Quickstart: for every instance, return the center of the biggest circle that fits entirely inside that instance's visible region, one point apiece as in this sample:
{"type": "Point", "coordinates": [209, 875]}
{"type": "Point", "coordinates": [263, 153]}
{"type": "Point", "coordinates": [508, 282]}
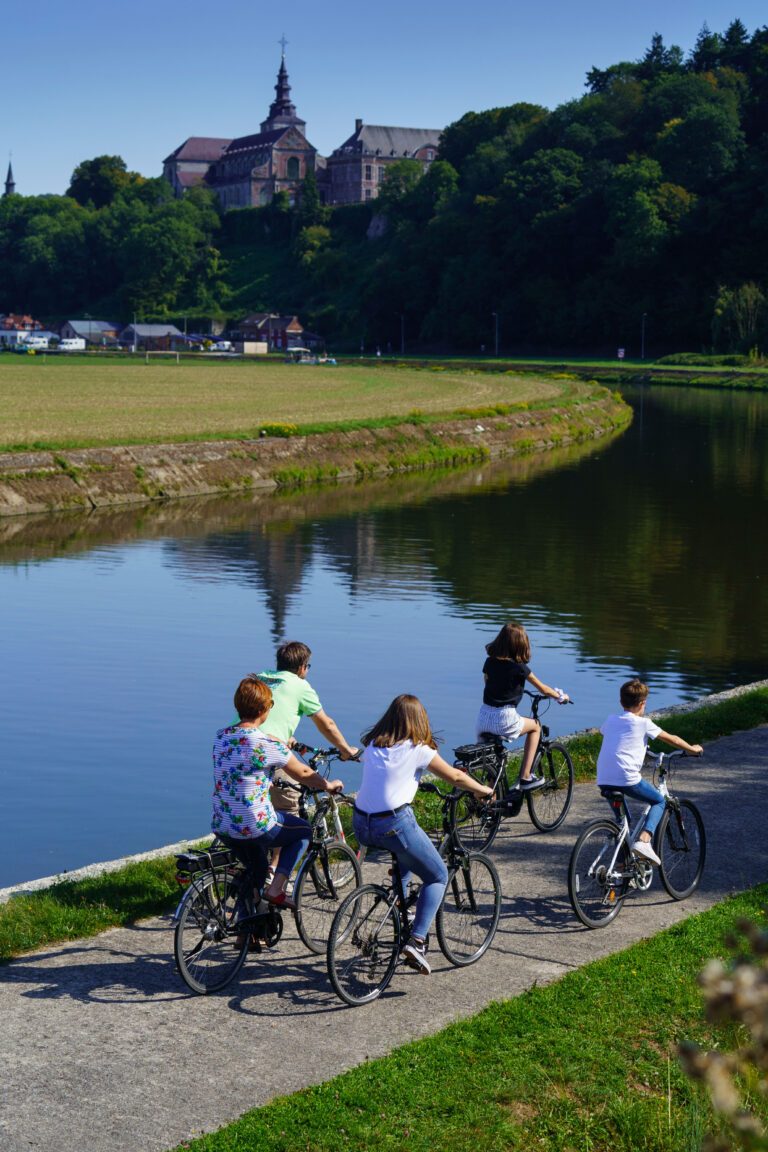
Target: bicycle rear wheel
{"type": "Point", "coordinates": [364, 945]}
{"type": "Point", "coordinates": [473, 820]}
{"type": "Point", "coordinates": [597, 886]}
{"type": "Point", "coordinates": [682, 845]}
{"type": "Point", "coordinates": [548, 806]}
{"type": "Point", "coordinates": [205, 942]}
{"type": "Point", "coordinates": [468, 917]}
{"type": "Point", "coordinates": [325, 878]}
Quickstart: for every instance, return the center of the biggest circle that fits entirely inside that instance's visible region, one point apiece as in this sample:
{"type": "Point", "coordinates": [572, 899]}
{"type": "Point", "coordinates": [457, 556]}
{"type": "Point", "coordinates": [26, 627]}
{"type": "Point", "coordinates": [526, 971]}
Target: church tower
{"type": "Point", "coordinates": [10, 185]}
{"type": "Point", "coordinates": [282, 113]}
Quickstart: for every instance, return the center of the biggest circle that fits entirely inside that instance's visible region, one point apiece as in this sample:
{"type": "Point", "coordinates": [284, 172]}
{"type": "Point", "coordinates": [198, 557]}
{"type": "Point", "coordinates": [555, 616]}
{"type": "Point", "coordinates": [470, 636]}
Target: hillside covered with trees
{"type": "Point", "coordinates": [645, 197]}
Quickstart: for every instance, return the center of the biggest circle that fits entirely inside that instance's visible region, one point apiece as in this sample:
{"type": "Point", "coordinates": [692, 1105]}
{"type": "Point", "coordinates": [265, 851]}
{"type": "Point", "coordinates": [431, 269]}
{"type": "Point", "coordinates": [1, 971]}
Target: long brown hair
{"type": "Point", "coordinates": [512, 643]}
{"type": "Point", "coordinates": [405, 719]}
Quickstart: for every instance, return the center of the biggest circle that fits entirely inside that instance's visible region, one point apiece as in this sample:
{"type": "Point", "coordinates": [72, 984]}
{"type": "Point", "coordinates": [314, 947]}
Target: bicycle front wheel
{"type": "Point", "coordinates": [325, 878]}
{"type": "Point", "coordinates": [682, 845]}
{"type": "Point", "coordinates": [548, 806]}
{"type": "Point", "coordinates": [597, 874]}
{"type": "Point", "coordinates": [468, 917]}
{"type": "Point", "coordinates": [364, 945]}
{"type": "Point", "coordinates": [205, 943]}
{"type": "Point", "coordinates": [474, 821]}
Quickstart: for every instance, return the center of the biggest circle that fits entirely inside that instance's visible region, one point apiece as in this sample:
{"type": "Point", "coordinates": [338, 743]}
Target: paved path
{"type": "Point", "coordinates": [104, 1050]}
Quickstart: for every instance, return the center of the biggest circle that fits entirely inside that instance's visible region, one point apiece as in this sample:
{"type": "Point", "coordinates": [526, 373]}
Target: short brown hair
{"type": "Point", "coordinates": [632, 693]}
{"type": "Point", "coordinates": [405, 719]}
{"type": "Point", "coordinates": [292, 656]}
{"type": "Point", "coordinates": [512, 643]}
{"type": "Point", "coordinates": [253, 698]}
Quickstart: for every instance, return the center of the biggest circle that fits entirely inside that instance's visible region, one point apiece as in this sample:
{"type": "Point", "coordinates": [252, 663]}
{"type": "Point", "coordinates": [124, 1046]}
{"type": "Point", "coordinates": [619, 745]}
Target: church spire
{"type": "Point", "coordinates": [10, 185]}
{"type": "Point", "coordinates": [282, 113]}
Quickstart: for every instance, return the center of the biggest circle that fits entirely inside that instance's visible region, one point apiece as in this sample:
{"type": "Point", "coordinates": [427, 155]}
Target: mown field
{"type": "Point", "coordinates": [51, 403]}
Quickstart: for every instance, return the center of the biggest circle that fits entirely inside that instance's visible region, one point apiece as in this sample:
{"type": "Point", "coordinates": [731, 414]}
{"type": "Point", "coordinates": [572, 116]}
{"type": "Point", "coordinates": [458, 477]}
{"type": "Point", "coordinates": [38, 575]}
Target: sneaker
{"type": "Point", "coordinates": [532, 783]}
{"type": "Point", "coordinates": [640, 848]}
{"type": "Point", "coordinates": [415, 956]}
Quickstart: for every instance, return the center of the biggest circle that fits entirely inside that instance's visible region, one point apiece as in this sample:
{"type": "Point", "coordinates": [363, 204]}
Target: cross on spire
{"type": "Point", "coordinates": [283, 42]}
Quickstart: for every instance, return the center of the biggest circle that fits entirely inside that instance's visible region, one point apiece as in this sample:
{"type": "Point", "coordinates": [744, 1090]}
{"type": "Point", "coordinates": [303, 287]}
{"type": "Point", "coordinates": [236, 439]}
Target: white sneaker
{"type": "Point", "coordinates": [532, 783]}
{"type": "Point", "coordinates": [640, 848]}
{"type": "Point", "coordinates": [414, 955]}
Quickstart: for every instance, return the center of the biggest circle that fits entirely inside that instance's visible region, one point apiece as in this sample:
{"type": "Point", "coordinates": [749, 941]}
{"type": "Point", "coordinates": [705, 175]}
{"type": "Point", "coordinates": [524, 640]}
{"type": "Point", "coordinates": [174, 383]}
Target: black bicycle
{"type": "Point", "coordinates": [477, 821]}
{"type": "Point", "coordinates": [373, 924]}
{"type": "Point", "coordinates": [603, 870]}
{"type": "Point", "coordinates": [222, 915]}
{"type": "Point", "coordinates": [218, 918]}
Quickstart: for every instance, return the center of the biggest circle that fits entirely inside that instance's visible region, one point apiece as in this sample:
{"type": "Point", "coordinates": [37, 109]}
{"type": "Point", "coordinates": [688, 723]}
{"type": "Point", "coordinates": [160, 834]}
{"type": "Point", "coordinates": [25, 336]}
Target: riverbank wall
{"type": "Point", "coordinates": [90, 478]}
{"type": "Point", "coordinates": [93, 870]}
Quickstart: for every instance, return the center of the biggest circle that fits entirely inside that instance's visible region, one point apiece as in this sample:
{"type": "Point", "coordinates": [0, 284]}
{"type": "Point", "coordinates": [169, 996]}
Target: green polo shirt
{"type": "Point", "coordinates": [293, 698]}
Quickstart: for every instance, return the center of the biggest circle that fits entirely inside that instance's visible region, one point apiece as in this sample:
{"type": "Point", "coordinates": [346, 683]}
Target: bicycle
{"type": "Point", "coordinates": [217, 917]}
{"type": "Point", "coordinates": [603, 870]}
{"type": "Point", "coordinates": [331, 867]}
{"type": "Point", "coordinates": [372, 925]}
{"type": "Point", "coordinates": [478, 821]}
{"type": "Point", "coordinates": [221, 912]}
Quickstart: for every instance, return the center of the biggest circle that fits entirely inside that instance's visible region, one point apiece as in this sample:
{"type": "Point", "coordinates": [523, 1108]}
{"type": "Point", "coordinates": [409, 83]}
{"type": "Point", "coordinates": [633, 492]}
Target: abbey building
{"type": "Point", "coordinates": [249, 170]}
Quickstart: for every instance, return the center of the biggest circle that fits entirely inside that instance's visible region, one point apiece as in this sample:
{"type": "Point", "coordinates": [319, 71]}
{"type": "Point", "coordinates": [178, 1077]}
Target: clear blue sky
{"type": "Point", "coordinates": [136, 78]}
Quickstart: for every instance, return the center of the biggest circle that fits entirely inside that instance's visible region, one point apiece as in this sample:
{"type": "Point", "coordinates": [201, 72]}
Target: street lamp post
{"type": "Point", "coordinates": [88, 318]}
{"type": "Point", "coordinates": [496, 334]}
{"type": "Point", "coordinates": [642, 336]}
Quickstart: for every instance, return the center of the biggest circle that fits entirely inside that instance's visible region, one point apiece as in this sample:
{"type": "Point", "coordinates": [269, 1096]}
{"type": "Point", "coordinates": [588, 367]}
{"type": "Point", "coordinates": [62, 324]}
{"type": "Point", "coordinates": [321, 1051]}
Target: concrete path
{"type": "Point", "coordinates": [104, 1050]}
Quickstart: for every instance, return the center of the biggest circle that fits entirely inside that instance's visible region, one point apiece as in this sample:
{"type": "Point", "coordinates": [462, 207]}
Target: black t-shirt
{"type": "Point", "coordinates": [505, 683]}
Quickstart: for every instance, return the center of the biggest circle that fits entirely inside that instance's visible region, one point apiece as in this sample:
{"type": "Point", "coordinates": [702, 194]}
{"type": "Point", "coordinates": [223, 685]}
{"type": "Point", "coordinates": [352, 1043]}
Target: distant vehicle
{"type": "Point", "coordinates": [223, 346]}
{"type": "Point", "coordinates": [37, 343]}
{"type": "Point", "coordinates": [73, 344]}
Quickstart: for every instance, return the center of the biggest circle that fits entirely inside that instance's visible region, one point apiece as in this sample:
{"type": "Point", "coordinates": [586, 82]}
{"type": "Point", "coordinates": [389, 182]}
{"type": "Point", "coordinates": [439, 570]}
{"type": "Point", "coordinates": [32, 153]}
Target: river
{"type": "Point", "coordinates": [125, 633]}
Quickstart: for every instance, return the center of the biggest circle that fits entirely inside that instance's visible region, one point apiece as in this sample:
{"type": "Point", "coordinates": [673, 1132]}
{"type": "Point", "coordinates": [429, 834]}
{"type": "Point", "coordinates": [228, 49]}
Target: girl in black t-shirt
{"type": "Point", "coordinates": [505, 673]}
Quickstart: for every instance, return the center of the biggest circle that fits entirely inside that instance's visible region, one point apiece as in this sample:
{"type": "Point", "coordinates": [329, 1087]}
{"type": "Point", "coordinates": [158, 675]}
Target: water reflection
{"type": "Point", "coordinates": [125, 632]}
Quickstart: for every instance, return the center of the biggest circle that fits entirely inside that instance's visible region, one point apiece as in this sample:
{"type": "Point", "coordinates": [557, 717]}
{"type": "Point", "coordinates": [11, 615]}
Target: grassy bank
{"type": "Point", "coordinates": [61, 404]}
{"type": "Point", "coordinates": [71, 910]}
{"type": "Point", "coordinates": [588, 1063]}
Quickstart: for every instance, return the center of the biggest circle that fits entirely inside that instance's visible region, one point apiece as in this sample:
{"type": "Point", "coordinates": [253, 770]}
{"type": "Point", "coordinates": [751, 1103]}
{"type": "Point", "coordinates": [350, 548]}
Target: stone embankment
{"type": "Point", "coordinates": [87, 478]}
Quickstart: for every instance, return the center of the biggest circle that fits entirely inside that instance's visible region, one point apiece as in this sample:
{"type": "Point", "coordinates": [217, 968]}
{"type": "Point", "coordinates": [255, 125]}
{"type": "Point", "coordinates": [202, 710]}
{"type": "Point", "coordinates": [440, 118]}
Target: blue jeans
{"type": "Point", "coordinates": [291, 835]}
{"type": "Point", "coordinates": [401, 835]}
{"type": "Point", "coordinates": [646, 794]}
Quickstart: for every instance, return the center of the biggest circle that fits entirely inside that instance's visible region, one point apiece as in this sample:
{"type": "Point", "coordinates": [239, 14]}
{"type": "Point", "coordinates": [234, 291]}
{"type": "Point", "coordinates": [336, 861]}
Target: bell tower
{"type": "Point", "coordinates": [282, 113]}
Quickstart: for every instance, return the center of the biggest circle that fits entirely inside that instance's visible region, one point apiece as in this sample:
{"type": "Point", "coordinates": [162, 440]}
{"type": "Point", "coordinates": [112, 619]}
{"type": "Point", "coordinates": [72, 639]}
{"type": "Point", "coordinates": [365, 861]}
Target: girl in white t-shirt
{"type": "Point", "coordinates": [399, 748]}
{"type": "Point", "coordinates": [620, 760]}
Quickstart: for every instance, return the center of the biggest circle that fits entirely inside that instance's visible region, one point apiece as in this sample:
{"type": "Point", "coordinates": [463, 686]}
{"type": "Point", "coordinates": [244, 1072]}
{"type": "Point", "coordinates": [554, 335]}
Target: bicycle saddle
{"type": "Point", "coordinates": [490, 738]}
{"type": "Point", "coordinates": [611, 793]}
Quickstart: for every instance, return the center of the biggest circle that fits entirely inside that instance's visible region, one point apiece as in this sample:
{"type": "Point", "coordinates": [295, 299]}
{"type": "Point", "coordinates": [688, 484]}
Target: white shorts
{"type": "Point", "coordinates": [505, 722]}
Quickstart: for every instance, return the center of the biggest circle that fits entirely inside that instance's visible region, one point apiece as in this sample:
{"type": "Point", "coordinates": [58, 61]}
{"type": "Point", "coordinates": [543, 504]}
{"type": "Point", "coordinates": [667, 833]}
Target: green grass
{"type": "Point", "coordinates": [64, 404]}
{"type": "Point", "coordinates": [588, 1063]}
{"type": "Point", "coordinates": [71, 910]}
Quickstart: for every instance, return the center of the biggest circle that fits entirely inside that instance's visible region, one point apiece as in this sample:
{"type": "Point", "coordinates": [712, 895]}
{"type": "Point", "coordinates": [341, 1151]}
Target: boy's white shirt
{"type": "Point", "coordinates": [625, 740]}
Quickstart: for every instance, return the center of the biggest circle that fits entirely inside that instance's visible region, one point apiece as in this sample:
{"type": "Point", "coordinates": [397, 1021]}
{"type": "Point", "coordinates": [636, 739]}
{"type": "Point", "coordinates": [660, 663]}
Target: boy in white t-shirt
{"type": "Point", "coordinates": [620, 762]}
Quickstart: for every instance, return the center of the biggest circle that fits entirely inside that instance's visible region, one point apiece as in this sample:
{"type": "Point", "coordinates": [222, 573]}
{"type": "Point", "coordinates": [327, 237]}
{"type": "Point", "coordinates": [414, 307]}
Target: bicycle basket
{"type": "Point", "coordinates": [472, 756]}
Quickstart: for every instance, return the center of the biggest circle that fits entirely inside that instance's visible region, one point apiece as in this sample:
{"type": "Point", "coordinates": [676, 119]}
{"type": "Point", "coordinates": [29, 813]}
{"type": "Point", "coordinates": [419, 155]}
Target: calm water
{"type": "Point", "coordinates": [125, 634]}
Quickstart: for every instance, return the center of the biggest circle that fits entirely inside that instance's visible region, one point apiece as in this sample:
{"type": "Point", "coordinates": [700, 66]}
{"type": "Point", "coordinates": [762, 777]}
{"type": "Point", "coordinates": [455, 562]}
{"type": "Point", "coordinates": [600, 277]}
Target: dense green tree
{"type": "Point", "coordinates": [100, 180]}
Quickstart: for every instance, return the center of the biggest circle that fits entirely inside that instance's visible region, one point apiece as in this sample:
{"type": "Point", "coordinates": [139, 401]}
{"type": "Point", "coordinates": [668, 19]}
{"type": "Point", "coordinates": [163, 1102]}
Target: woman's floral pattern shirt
{"type": "Point", "coordinates": [243, 762]}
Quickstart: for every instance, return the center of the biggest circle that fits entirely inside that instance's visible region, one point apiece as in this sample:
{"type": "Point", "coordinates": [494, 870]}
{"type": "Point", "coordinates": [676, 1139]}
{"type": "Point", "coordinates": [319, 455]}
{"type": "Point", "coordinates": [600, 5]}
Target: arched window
{"type": "Point", "coordinates": [292, 168]}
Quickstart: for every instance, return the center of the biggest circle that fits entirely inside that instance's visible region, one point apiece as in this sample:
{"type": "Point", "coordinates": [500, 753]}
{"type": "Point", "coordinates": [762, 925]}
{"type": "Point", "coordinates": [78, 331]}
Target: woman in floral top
{"type": "Point", "coordinates": [244, 759]}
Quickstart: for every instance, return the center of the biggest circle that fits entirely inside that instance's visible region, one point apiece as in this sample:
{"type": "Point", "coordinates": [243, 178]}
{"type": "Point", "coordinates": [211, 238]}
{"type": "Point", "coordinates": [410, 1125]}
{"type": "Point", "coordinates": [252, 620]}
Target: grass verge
{"type": "Point", "coordinates": [72, 910]}
{"type": "Point", "coordinates": [587, 1063]}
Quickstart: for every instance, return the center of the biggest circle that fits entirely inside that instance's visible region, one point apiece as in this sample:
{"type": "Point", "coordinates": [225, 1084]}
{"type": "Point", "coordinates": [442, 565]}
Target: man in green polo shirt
{"type": "Point", "coordinates": [293, 697]}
